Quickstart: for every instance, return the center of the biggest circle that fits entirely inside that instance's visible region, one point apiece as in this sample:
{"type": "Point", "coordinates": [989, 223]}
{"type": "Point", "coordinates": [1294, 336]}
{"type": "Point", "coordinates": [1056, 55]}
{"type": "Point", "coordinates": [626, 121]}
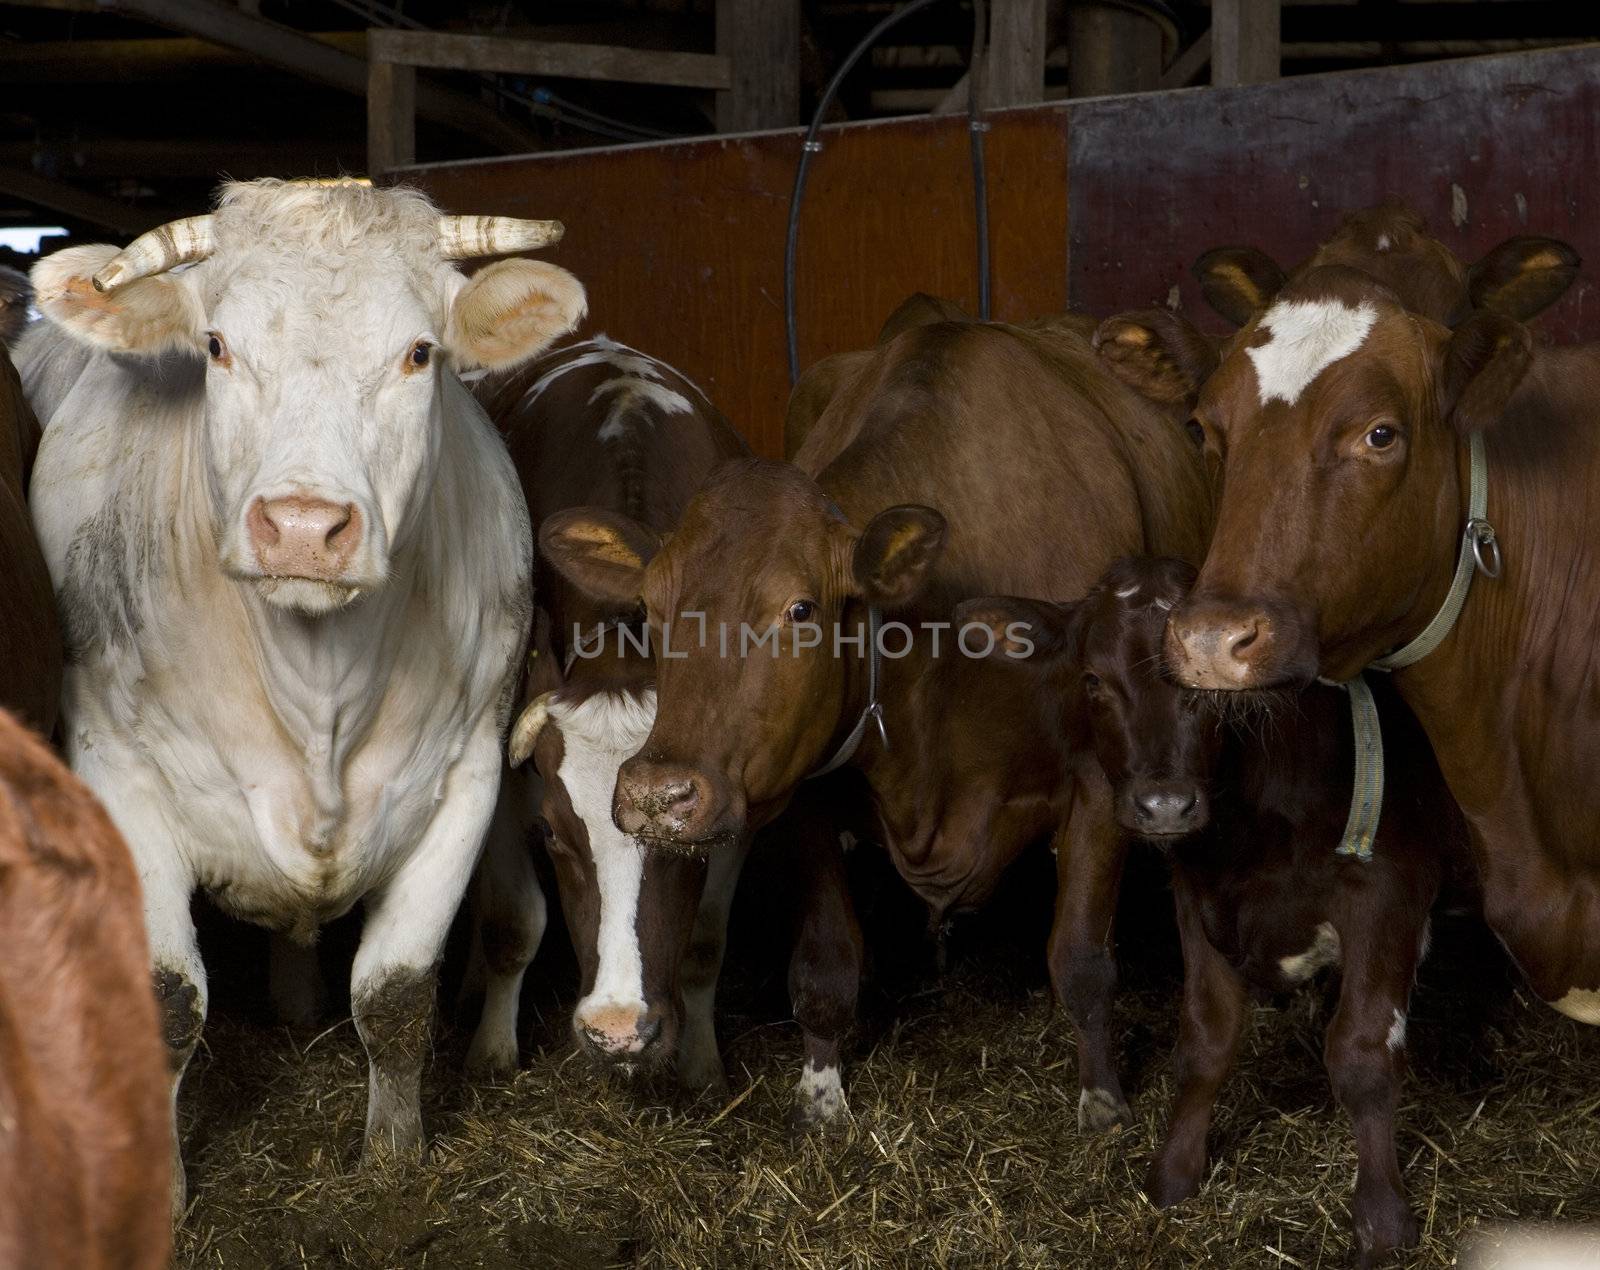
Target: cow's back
{"type": "Point", "coordinates": [30, 638]}
{"type": "Point", "coordinates": [1045, 466]}
{"type": "Point", "coordinates": [83, 1076]}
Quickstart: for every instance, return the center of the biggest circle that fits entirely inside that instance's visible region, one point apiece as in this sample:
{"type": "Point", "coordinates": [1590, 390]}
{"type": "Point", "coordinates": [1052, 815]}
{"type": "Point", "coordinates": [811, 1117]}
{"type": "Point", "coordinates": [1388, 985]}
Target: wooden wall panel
{"type": "Point", "coordinates": [1484, 147]}
{"type": "Point", "coordinates": [681, 244]}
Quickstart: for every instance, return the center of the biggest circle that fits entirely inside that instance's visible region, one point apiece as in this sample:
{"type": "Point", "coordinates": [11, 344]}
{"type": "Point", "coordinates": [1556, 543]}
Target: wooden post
{"type": "Point", "coordinates": [391, 116]}
{"type": "Point", "coordinates": [1245, 42]}
{"type": "Point", "coordinates": [1111, 49]}
{"type": "Point", "coordinates": [1014, 67]}
{"type": "Point", "coordinates": [761, 38]}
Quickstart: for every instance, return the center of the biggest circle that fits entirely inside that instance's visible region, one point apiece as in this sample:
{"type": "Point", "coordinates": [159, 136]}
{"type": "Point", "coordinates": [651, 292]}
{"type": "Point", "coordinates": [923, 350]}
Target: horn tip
{"type": "Point", "coordinates": [103, 280]}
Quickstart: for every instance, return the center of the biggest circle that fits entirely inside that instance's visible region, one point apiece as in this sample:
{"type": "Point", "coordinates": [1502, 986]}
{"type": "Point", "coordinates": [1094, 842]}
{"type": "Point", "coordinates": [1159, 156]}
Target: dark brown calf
{"type": "Point", "coordinates": [1391, 242]}
{"type": "Point", "coordinates": [1250, 819]}
{"type": "Point", "coordinates": [1046, 466]}
{"type": "Point", "coordinates": [85, 1133]}
{"type": "Point", "coordinates": [601, 424]}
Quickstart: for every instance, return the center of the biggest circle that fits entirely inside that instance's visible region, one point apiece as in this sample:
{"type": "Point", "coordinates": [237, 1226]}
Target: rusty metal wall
{"type": "Point", "coordinates": [1484, 147]}
{"type": "Point", "coordinates": [681, 244]}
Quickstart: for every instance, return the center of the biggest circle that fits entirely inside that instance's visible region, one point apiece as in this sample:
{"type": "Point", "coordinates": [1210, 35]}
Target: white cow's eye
{"type": "Point", "coordinates": [216, 347]}
{"type": "Point", "coordinates": [421, 351]}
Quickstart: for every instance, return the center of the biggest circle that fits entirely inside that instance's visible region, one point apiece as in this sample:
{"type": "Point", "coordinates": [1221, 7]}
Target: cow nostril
{"type": "Point", "coordinates": [648, 1031]}
{"type": "Point", "coordinates": [1242, 640]}
{"type": "Point", "coordinates": [342, 530]}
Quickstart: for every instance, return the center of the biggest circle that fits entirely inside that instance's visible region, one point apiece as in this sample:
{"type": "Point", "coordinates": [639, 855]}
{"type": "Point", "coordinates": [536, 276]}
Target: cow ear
{"type": "Point", "coordinates": [148, 317]}
{"type": "Point", "coordinates": [602, 553]}
{"type": "Point", "coordinates": [1484, 361]}
{"type": "Point", "coordinates": [1018, 629]}
{"type": "Point", "coordinates": [920, 309]}
{"type": "Point", "coordinates": [1157, 353]}
{"type": "Point", "coordinates": [893, 557]}
{"type": "Point", "coordinates": [1523, 276]}
{"type": "Point", "coordinates": [510, 311]}
{"type": "Point", "coordinates": [1238, 282]}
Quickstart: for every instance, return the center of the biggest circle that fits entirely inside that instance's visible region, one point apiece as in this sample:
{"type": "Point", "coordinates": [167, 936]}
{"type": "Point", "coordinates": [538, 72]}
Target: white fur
{"type": "Point", "coordinates": [1397, 1031]}
{"type": "Point", "coordinates": [1582, 1004]}
{"type": "Point", "coordinates": [598, 735]}
{"type": "Point", "coordinates": [1325, 951]}
{"type": "Point", "coordinates": [1383, 242]}
{"type": "Point", "coordinates": [635, 369]}
{"type": "Point", "coordinates": [627, 393]}
{"type": "Point", "coordinates": [819, 1093]}
{"type": "Point", "coordinates": [1308, 336]}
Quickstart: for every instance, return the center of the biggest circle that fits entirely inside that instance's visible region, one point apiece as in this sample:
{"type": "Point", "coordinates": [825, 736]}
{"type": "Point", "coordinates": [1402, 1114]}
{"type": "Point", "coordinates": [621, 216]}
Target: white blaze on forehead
{"type": "Point", "coordinates": [1308, 336]}
{"type": "Point", "coordinates": [598, 736]}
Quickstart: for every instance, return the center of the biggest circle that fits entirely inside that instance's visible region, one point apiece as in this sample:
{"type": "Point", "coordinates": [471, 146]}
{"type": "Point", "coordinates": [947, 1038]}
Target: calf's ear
{"type": "Point", "coordinates": [920, 309]}
{"type": "Point", "coordinates": [1485, 359]}
{"type": "Point", "coordinates": [149, 316]}
{"type": "Point", "coordinates": [1019, 629]}
{"type": "Point", "coordinates": [1238, 282]}
{"type": "Point", "coordinates": [602, 553]}
{"type": "Point", "coordinates": [510, 311]}
{"type": "Point", "coordinates": [896, 553]}
{"type": "Point", "coordinates": [1523, 276]}
{"type": "Point", "coordinates": [1157, 353]}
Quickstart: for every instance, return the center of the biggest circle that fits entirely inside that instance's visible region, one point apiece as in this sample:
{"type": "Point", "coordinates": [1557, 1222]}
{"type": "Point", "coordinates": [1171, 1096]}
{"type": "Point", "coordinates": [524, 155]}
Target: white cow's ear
{"type": "Point", "coordinates": [510, 311]}
{"type": "Point", "coordinates": [149, 316]}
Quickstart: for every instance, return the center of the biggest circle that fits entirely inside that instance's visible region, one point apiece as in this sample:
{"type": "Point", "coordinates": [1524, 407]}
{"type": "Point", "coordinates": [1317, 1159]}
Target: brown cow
{"type": "Point", "coordinates": [1045, 467]}
{"type": "Point", "coordinates": [30, 638]}
{"type": "Point", "coordinates": [85, 1134]}
{"type": "Point", "coordinates": [1341, 425]}
{"type": "Point", "coordinates": [1520, 277]}
{"type": "Point", "coordinates": [599, 423]}
{"type": "Point", "coordinates": [16, 294]}
{"type": "Point", "coordinates": [1250, 818]}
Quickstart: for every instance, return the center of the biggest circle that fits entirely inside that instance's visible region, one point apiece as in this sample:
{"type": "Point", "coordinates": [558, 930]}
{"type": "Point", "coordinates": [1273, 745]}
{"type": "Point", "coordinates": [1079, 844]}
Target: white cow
{"type": "Point", "coordinates": [293, 564]}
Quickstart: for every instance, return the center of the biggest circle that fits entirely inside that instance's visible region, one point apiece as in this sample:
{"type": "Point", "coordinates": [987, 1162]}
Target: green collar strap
{"type": "Point", "coordinates": [1480, 553]}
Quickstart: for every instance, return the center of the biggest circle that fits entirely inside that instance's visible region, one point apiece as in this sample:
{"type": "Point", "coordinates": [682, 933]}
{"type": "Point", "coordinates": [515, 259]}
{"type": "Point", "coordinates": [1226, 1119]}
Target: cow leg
{"type": "Point", "coordinates": [1089, 853]}
{"type": "Point", "coordinates": [294, 980]}
{"type": "Point", "coordinates": [824, 968]}
{"type": "Point", "coordinates": [1365, 1052]}
{"type": "Point", "coordinates": [1208, 1040]}
{"type": "Point", "coordinates": [508, 923]}
{"type": "Point", "coordinates": [392, 985]}
{"type": "Point", "coordinates": [699, 1060]}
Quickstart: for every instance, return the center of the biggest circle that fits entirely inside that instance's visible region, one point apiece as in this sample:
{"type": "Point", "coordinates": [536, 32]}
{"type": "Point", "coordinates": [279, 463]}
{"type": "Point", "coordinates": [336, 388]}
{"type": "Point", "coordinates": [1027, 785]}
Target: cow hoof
{"type": "Point", "coordinates": [1384, 1227]}
{"type": "Point", "coordinates": [491, 1058]}
{"type": "Point", "coordinates": [1100, 1109]}
{"type": "Point", "coordinates": [703, 1076]}
{"type": "Point", "coordinates": [1168, 1184]}
{"type": "Point", "coordinates": [818, 1101]}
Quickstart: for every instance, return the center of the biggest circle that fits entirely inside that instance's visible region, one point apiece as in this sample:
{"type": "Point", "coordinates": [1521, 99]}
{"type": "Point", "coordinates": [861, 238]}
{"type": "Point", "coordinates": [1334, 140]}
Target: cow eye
{"type": "Point", "coordinates": [801, 611]}
{"type": "Point", "coordinates": [421, 351]}
{"type": "Point", "coordinates": [1197, 434]}
{"type": "Point", "coordinates": [1382, 437]}
{"type": "Point", "coordinates": [1091, 681]}
{"type": "Point", "coordinates": [216, 347]}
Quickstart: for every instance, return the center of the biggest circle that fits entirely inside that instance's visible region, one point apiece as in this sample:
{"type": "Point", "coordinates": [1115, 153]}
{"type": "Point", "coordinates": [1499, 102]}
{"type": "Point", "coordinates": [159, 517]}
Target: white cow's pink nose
{"type": "Point", "coordinates": [304, 537]}
{"type": "Point", "coordinates": [619, 1030]}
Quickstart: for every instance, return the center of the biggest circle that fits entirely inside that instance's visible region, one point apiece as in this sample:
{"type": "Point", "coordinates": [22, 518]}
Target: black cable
{"type": "Point", "coordinates": [812, 146]}
{"type": "Point", "coordinates": [975, 130]}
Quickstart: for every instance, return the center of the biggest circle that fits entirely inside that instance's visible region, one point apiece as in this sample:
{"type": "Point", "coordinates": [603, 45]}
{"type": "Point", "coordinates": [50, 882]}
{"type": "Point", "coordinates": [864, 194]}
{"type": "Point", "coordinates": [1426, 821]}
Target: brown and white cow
{"type": "Point", "coordinates": [30, 638]}
{"type": "Point", "coordinates": [1250, 817]}
{"type": "Point", "coordinates": [1341, 425]}
{"type": "Point", "coordinates": [1391, 242]}
{"type": "Point", "coordinates": [602, 424]}
{"type": "Point", "coordinates": [1044, 466]}
{"type": "Point", "coordinates": [85, 1139]}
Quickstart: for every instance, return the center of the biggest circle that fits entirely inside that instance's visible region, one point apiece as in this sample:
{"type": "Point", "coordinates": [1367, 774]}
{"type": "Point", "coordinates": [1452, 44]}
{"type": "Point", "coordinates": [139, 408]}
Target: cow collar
{"type": "Point", "coordinates": [1480, 553]}
{"type": "Point", "coordinates": [873, 713]}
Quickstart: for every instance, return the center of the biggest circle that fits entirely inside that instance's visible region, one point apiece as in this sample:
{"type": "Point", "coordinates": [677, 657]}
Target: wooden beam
{"type": "Point", "coordinates": [294, 51]}
{"type": "Point", "coordinates": [391, 116]}
{"type": "Point", "coordinates": [761, 40]}
{"type": "Point", "coordinates": [542, 57]}
{"type": "Point", "coordinates": [69, 200]}
{"type": "Point", "coordinates": [134, 61]}
{"type": "Point", "coordinates": [1014, 65]}
{"type": "Point", "coordinates": [1245, 42]}
{"type": "Point", "coordinates": [105, 157]}
{"type": "Point", "coordinates": [1188, 64]}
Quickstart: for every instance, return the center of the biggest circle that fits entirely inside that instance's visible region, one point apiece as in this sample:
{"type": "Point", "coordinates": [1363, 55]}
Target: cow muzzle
{"type": "Point", "coordinates": [306, 552]}
{"type": "Point", "coordinates": [674, 805]}
{"type": "Point", "coordinates": [1163, 809]}
{"type": "Point", "coordinates": [1227, 647]}
{"type": "Point", "coordinates": [620, 1032]}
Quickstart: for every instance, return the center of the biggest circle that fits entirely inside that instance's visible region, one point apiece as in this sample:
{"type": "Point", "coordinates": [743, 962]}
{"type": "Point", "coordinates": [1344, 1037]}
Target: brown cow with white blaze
{"type": "Point", "coordinates": [602, 424]}
{"type": "Point", "coordinates": [1341, 423]}
{"type": "Point", "coordinates": [1024, 441]}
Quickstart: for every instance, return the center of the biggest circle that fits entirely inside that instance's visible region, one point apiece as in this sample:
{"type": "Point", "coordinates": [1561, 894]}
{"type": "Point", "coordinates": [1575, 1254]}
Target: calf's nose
{"type": "Point", "coordinates": [619, 1031]}
{"type": "Point", "coordinates": [1168, 809]}
{"type": "Point", "coordinates": [1219, 648]}
{"type": "Point", "coordinates": [303, 537]}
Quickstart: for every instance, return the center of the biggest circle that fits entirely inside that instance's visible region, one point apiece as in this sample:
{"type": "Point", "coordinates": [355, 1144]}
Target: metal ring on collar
{"type": "Point", "coordinates": [1485, 547]}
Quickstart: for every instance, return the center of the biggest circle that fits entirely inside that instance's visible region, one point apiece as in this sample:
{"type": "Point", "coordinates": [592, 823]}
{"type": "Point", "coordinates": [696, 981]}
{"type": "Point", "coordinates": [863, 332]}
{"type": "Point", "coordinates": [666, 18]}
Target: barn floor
{"type": "Point", "coordinates": [961, 1151]}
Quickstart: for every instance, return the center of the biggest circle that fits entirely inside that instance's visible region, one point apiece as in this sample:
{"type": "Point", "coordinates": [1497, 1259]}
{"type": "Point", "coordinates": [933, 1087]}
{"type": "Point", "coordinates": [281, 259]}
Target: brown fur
{"type": "Point", "coordinates": [86, 1146]}
{"type": "Point", "coordinates": [30, 638]}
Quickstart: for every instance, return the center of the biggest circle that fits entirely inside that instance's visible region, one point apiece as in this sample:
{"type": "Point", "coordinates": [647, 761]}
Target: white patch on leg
{"type": "Point", "coordinates": [1397, 1032]}
{"type": "Point", "coordinates": [1100, 1109]}
{"type": "Point", "coordinates": [1308, 336]}
{"type": "Point", "coordinates": [819, 1097]}
{"type": "Point", "coordinates": [598, 735]}
{"type": "Point", "coordinates": [1324, 952]}
{"type": "Point", "coordinates": [1582, 1004]}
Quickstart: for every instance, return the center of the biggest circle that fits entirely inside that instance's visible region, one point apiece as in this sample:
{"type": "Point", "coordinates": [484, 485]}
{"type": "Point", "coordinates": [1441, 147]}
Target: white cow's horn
{"type": "Point", "coordinates": [463, 237]}
{"type": "Point", "coordinates": [525, 735]}
{"type": "Point", "coordinates": [175, 243]}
